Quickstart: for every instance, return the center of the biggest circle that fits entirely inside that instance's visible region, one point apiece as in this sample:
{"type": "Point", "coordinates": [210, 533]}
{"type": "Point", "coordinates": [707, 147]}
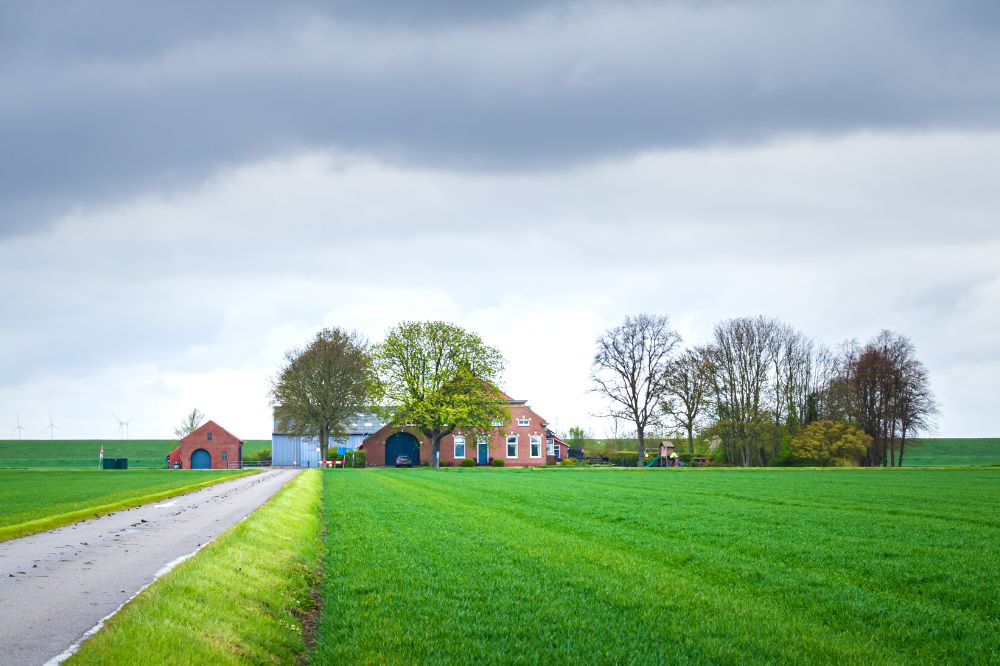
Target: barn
{"type": "Point", "coordinates": [209, 447]}
{"type": "Point", "coordinates": [289, 449]}
{"type": "Point", "coordinates": [525, 441]}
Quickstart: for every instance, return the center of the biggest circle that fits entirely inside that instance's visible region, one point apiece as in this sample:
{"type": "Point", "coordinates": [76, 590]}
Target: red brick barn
{"type": "Point", "coordinates": [519, 443]}
{"type": "Point", "coordinates": [209, 447]}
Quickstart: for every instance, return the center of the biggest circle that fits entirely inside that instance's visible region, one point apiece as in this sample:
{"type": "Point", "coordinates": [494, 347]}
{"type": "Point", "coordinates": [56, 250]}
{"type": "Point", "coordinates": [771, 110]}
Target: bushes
{"type": "Point", "coordinates": [567, 462]}
{"type": "Point", "coordinates": [356, 458]}
{"type": "Point", "coordinates": [261, 455]}
{"type": "Point", "coordinates": [497, 462]}
{"type": "Point", "coordinates": [468, 462]}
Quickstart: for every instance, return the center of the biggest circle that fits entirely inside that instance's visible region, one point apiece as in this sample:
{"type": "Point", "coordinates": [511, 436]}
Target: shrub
{"type": "Point", "coordinates": [567, 462]}
{"type": "Point", "coordinates": [685, 457]}
{"type": "Point", "coordinates": [468, 462]}
{"type": "Point", "coordinates": [497, 462]}
{"type": "Point", "coordinates": [830, 443]}
{"type": "Point", "coordinates": [356, 458]}
{"type": "Point", "coordinates": [263, 455]}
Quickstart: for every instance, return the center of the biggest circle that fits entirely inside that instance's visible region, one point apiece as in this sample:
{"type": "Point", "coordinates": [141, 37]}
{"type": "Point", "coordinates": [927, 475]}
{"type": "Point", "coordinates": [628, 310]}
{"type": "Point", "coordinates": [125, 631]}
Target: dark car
{"type": "Point", "coordinates": [404, 461]}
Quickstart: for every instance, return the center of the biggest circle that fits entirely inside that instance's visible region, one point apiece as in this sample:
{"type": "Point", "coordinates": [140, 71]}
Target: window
{"type": "Point", "coordinates": [497, 424]}
{"type": "Point", "coordinates": [210, 435]}
{"type": "Point", "coordinates": [524, 422]}
{"type": "Point", "coordinates": [557, 451]}
{"type": "Point", "coordinates": [225, 456]}
{"type": "Point", "coordinates": [459, 447]}
{"type": "Point", "coordinates": [512, 446]}
{"type": "Point", "coordinates": [535, 446]}
{"type": "Point", "coordinates": [549, 442]}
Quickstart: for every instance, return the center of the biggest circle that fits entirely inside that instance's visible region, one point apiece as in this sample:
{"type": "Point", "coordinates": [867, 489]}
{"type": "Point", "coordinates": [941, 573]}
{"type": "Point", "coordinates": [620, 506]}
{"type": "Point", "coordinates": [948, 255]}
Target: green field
{"type": "Point", "coordinates": [84, 453]}
{"type": "Point", "coordinates": [952, 451]}
{"type": "Point", "coordinates": [36, 500]}
{"type": "Point", "coordinates": [661, 566]}
{"type": "Point", "coordinates": [242, 600]}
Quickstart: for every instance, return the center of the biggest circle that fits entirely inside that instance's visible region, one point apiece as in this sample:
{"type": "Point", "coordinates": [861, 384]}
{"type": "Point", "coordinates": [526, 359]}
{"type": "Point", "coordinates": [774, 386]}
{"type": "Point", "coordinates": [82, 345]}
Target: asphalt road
{"type": "Point", "coordinates": [58, 585]}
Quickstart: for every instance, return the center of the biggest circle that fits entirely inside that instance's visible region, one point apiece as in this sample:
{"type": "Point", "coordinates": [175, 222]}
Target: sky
{"type": "Point", "coordinates": [188, 191]}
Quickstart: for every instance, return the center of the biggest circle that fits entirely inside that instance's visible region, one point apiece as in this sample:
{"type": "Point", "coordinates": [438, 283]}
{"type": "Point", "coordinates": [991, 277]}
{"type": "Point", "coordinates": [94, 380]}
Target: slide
{"type": "Point", "coordinates": [653, 462]}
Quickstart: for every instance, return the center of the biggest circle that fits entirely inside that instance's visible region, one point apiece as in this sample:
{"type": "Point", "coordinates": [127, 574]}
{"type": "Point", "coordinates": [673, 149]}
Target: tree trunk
{"type": "Point", "coordinates": [690, 440]}
{"type": "Point", "coordinates": [324, 442]}
{"type": "Point", "coordinates": [642, 445]}
{"type": "Point", "coordinates": [902, 447]}
{"type": "Point", "coordinates": [435, 451]}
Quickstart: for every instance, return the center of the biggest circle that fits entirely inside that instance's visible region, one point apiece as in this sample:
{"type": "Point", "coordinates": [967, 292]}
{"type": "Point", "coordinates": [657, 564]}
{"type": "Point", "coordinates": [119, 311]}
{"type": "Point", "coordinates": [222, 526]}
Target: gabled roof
{"type": "Point", "coordinates": [214, 426]}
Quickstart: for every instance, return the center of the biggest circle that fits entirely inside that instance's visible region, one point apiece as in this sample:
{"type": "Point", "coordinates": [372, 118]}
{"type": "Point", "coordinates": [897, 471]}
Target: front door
{"type": "Point", "coordinates": [201, 459]}
{"type": "Point", "coordinates": [483, 453]}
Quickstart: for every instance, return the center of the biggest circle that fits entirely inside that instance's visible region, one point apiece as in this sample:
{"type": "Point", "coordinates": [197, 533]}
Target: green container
{"type": "Point", "coordinates": [115, 463]}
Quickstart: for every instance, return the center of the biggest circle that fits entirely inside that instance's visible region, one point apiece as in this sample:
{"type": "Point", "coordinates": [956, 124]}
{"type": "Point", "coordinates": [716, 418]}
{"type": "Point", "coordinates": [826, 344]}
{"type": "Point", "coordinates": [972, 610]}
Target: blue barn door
{"type": "Point", "coordinates": [483, 453]}
{"type": "Point", "coordinates": [402, 444]}
{"type": "Point", "coordinates": [201, 459]}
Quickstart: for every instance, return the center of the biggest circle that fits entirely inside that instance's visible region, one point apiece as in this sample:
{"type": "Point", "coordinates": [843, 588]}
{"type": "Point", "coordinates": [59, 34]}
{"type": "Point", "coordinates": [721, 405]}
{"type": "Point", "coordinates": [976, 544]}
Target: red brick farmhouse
{"type": "Point", "coordinates": [523, 442]}
{"type": "Point", "coordinates": [209, 447]}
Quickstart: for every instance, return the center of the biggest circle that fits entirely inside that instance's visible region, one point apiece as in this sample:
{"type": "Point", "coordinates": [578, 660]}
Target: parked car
{"type": "Point", "coordinates": [404, 461]}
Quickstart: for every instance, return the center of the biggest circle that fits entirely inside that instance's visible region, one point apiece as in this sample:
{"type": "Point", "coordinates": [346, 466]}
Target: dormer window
{"type": "Point", "coordinates": [210, 435]}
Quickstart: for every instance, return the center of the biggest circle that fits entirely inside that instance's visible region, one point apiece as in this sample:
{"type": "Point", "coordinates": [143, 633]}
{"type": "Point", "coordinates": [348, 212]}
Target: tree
{"type": "Point", "coordinates": [687, 392]}
{"type": "Point", "coordinates": [321, 386]}
{"type": "Point", "coordinates": [576, 436]}
{"type": "Point", "coordinates": [190, 423]}
{"type": "Point", "coordinates": [631, 369]}
{"type": "Point", "coordinates": [438, 379]}
{"type": "Point", "coordinates": [827, 442]}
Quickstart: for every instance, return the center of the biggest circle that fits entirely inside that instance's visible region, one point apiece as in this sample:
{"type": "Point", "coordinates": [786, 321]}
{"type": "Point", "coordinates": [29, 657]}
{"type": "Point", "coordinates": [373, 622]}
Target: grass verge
{"type": "Point", "coordinates": [33, 501]}
{"type": "Point", "coordinates": [241, 600]}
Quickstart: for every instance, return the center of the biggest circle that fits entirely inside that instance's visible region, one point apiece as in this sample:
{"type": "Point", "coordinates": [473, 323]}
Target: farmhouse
{"type": "Point", "coordinates": [524, 441]}
{"type": "Point", "coordinates": [209, 447]}
{"type": "Point", "coordinates": [289, 449]}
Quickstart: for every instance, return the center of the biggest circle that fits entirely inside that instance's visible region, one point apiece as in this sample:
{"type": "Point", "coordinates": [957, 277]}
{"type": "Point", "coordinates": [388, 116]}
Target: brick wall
{"type": "Point", "coordinates": [223, 447]}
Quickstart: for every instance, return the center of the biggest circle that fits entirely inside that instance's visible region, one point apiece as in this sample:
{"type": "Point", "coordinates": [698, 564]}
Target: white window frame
{"type": "Point", "coordinates": [497, 424]}
{"type": "Point", "coordinates": [556, 451]}
{"type": "Point", "coordinates": [459, 440]}
{"type": "Point", "coordinates": [516, 445]}
{"type": "Point", "coordinates": [550, 444]}
{"type": "Point", "coordinates": [533, 441]}
{"type": "Point", "coordinates": [523, 423]}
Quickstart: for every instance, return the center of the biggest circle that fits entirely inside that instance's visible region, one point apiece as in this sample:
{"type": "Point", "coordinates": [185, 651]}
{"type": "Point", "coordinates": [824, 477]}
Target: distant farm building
{"type": "Point", "coordinates": [523, 442]}
{"type": "Point", "coordinates": [298, 450]}
{"type": "Point", "coordinates": [209, 447]}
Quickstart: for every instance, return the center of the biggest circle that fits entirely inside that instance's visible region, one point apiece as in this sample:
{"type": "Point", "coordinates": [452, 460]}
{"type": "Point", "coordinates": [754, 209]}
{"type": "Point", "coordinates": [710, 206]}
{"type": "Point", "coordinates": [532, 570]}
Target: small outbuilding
{"type": "Point", "coordinates": [209, 447]}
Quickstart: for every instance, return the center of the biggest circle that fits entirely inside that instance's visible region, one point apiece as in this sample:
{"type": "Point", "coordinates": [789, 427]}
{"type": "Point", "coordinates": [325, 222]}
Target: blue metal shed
{"type": "Point", "coordinates": [297, 450]}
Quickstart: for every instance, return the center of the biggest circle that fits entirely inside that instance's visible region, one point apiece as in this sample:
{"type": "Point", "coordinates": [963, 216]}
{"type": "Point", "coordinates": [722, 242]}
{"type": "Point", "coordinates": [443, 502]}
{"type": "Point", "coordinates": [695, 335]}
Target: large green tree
{"type": "Point", "coordinates": [321, 386]}
{"type": "Point", "coordinates": [439, 378]}
{"type": "Point", "coordinates": [828, 442]}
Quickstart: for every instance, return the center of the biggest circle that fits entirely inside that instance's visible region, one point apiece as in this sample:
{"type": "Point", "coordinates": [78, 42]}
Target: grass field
{"type": "Point", "coordinates": [37, 500]}
{"type": "Point", "coordinates": [661, 566]}
{"type": "Point", "coordinates": [83, 453]}
{"type": "Point", "coordinates": [241, 600]}
{"type": "Point", "coordinates": [952, 451]}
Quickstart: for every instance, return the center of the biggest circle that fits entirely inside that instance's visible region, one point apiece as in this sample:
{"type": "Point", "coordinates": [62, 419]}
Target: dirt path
{"type": "Point", "coordinates": [58, 585]}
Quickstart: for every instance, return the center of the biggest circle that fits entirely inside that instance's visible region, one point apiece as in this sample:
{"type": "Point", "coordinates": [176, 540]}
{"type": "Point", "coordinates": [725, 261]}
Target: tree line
{"type": "Point", "coordinates": [765, 393]}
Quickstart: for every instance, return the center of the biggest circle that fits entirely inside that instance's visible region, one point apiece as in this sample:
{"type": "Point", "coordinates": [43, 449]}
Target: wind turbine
{"type": "Point", "coordinates": [122, 427]}
{"type": "Point", "coordinates": [19, 429]}
{"type": "Point", "coordinates": [52, 426]}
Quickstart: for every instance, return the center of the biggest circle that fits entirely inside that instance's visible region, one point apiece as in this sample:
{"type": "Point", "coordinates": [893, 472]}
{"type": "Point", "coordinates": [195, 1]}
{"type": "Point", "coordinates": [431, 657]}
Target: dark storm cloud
{"type": "Point", "coordinates": [99, 100]}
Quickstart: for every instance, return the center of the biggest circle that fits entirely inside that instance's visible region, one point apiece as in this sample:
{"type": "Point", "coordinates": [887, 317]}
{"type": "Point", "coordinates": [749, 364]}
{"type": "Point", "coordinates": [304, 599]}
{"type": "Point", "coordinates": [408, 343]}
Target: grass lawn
{"type": "Point", "coordinates": [952, 451]}
{"type": "Point", "coordinates": [661, 566]}
{"type": "Point", "coordinates": [37, 500]}
{"type": "Point", "coordinates": [239, 601]}
{"type": "Point", "coordinates": [83, 453]}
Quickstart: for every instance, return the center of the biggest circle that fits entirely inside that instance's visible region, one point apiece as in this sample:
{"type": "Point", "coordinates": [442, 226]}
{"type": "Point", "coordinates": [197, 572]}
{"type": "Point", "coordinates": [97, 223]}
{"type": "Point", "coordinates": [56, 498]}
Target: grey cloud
{"type": "Point", "coordinates": [102, 100]}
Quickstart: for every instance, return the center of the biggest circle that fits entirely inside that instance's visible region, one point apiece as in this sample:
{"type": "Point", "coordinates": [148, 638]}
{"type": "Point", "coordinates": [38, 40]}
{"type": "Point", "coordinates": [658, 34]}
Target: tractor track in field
{"type": "Point", "coordinates": [57, 586]}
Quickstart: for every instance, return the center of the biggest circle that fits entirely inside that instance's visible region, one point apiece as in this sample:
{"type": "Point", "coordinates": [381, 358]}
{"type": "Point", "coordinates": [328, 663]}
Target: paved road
{"type": "Point", "coordinates": [58, 585]}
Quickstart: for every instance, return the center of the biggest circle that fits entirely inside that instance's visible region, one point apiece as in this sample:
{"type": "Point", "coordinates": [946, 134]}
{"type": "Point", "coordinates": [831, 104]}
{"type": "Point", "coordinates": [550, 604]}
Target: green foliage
{"type": "Point", "coordinates": [497, 462]}
{"type": "Point", "coordinates": [828, 442]}
{"type": "Point", "coordinates": [567, 462]}
{"type": "Point", "coordinates": [718, 554]}
{"type": "Point", "coordinates": [259, 455]}
{"type": "Point", "coordinates": [441, 379]}
{"type": "Point", "coordinates": [468, 462]}
{"type": "Point", "coordinates": [241, 600]}
{"type": "Point", "coordinates": [190, 423]}
{"type": "Point", "coordinates": [356, 458]}
{"type": "Point", "coordinates": [35, 500]}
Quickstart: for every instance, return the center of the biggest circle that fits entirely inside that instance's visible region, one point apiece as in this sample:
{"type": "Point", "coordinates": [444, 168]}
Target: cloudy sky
{"type": "Point", "coordinates": [186, 191]}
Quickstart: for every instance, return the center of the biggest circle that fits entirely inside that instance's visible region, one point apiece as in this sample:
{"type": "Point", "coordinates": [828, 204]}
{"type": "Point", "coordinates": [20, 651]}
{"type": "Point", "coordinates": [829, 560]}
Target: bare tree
{"type": "Point", "coordinates": [320, 386]}
{"type": "Point", "coordinates": [687, 392]}
{"type": "Point", "coordinates": [190, 423]}
{"type": "Point", "coordinates": [631, 368]}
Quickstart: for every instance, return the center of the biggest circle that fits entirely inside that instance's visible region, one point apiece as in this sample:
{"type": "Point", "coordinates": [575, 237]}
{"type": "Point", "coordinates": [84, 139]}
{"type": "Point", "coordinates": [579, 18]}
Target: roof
{"type": "Point", "coordinates": [363, 422]}
{"type": "Point", "coordinates": [215, 426]}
